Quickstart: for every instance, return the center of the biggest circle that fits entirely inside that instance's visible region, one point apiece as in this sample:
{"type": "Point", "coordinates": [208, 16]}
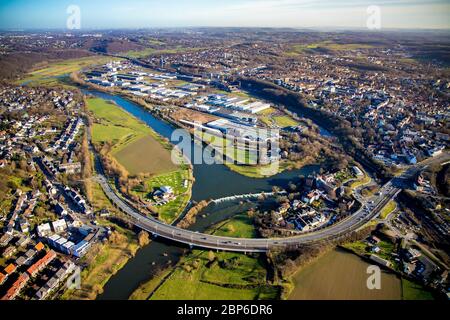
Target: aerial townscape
{"type": "Point", "coordinates": [224, 163]}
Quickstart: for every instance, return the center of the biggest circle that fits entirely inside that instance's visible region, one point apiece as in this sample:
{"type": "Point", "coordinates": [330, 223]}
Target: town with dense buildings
{"type": "Point", "coordinates": [45, 220]}
{"type": "Point", "coordinates": [389, 114]}
{"type": "Point", "coordinates": [372, 116]}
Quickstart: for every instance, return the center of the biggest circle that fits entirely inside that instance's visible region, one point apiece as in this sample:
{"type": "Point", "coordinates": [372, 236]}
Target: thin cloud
{"type": "Point", "coordinates": [326, 4]}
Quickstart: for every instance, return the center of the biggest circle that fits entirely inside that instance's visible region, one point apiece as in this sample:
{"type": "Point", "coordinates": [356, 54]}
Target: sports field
{"type": "Point", "coordinates": [272, 116]}
{"type": "Point", "coordinates": [285, 121]}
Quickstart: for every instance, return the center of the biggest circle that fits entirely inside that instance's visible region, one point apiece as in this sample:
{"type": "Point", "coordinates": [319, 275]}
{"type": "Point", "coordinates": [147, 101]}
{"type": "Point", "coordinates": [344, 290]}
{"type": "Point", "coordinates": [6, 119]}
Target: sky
{"type": "Point", "coordinates": [107, 14]}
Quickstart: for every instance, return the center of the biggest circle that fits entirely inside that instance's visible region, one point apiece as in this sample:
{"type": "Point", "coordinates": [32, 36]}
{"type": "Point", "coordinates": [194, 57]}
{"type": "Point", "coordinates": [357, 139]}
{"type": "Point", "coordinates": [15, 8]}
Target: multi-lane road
{"type": "Point", "coordinates": [369, 210]}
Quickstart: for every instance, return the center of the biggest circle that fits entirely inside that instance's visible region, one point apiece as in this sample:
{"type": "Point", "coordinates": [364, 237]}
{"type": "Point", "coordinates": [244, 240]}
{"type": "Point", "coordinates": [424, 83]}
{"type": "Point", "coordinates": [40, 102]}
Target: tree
{"type": "Point", "coordinates": [39, 212]}
{"type": "Point", "coordinates": [12, 184]}
{"type": "Point", "coordinates": [97, 289]}
{"type": "Point", "coordinates": [211, 256]}
{"type": "Point", "coordinates": [281, 199]}
{"type": "Point", "coordinates": [117, 238]}
{"type": "Point", "coordinates": [230, 228]}
{"type": "Point", "coordinates": [143, 238]}
{"type": "Point", "coordinates": [292, 187]}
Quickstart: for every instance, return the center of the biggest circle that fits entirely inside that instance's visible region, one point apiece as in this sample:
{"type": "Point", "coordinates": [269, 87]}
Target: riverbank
{"type": "Point", "coordinates": [250, 171]}
{"type": "Point", "coordinates": [208, 185]}
{"type": "Point", "coordinates": [212, 275]}
{"type": "Point", "coordinates": [104, 259]}
{"type": "Point", "coordinates": [265, 171]}
{"type": "Point", "coordinates": [143, 159]}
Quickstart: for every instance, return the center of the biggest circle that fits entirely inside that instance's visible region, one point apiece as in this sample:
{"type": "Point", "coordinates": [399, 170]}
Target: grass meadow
{"type": "Point", "coordinates": [50, 74]}
{"type": "Point", "coordinates": [216, 275]}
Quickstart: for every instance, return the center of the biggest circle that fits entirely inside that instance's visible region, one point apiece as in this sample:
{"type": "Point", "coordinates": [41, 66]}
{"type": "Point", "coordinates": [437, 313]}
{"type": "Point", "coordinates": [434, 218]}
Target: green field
{"type": "Point", "coordinates": [221, 145]}
{"type": "Point", "coordinates": [145, 155]}
{"type": "Point", "coordinates": [344, 175]}
{"type": "Point", "coordinates": [170, 211]}
{"type": "Point", "coordinates": [148, 51]}
{"type": "Point", "coordinates": [51, 74]}
{"type": "Point", "coordinates": [224, 275]}
{"type": "Point", "coordinates": [191, 286]}
{"type": "Point", "coordinates": [360, 182]}
{"type": "Point", "coordinates": [388, 209]}
{"type": "Point", "coordinates": [240, 227]}
{"type": "Point", "coordinates": [265, 116]}
{"type": "Point", "coordinates": [328, 44]}
{"type": "Point", "coordinates": [267, 111]}
{"type": "Point", "coordinates": [387, 248]}
{"type": "Point", "coordinates": [362, 248]}
{"type": "Point", "coordinates": [114, 125]}
{"type": "Point", "coordinates": [135, 145]}
{"type": "Point", "coordinates": [244, 279]}
{"type": "Point", "coordinates": [259, 171]}
{"type": "Point", "coordinates": [413, 291]}
{"type": "Point", "coordinates": [285, 121]}
{"type": "Point", "coordinates": [272, 116]}
{"type": "Point", "coordinates": [140, 150]}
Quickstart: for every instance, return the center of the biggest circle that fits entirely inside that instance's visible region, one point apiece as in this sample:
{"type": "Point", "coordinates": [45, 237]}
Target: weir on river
{"type": "Point", "coordinates": [211, 182]}
{"type": "Point", "coordinates": [247, 196]}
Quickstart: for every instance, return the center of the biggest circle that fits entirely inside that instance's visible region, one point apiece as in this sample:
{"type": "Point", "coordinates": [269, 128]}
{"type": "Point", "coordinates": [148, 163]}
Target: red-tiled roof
{"type": "Point", "coordinates": [41, 263]}
{"type": "Point", "coordinates": [14, 290]}
{"type": "Point", "coordinates": [10, 268]}
{"type": "Point", "coordinates": [39, 246]}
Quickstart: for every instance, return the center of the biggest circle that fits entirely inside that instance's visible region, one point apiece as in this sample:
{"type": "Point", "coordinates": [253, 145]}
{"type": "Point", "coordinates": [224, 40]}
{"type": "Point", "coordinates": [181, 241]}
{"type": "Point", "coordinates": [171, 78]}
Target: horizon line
{"type": "Point", "coordinates": [330, 28]}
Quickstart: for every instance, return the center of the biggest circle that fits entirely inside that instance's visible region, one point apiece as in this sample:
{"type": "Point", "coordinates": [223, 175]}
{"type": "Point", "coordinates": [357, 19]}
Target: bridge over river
{"type": "Point", "coordinates": [367, 212]}
{"type": "Point", "coordinates": [194, 239]}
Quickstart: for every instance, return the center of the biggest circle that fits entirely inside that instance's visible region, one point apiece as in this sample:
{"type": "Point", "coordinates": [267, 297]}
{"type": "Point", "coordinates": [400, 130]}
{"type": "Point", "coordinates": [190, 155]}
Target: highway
{"type": "Point", "coordinates": [368, 211]}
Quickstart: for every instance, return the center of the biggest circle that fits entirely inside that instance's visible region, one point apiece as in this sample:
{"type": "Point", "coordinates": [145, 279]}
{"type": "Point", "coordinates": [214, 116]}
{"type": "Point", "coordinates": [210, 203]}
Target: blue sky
{"type": "Point", "coordinates": [97, 14]}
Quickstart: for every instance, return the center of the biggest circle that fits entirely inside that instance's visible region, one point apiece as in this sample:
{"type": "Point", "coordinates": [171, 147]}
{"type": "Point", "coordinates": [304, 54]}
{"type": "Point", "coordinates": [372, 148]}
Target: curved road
{"type": "Point", "coordinates": [367, 212]}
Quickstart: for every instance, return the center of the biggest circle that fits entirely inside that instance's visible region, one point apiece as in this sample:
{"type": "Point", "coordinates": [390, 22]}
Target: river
{"type": "Point", "coordinates": [211, 182]}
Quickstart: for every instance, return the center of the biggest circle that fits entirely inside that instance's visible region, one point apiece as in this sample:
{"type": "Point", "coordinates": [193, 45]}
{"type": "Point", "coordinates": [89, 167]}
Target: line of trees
{"type": "Point", "coordinates": [287, 261]}
{"type": "Point", "coordinates": [191, 216]}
